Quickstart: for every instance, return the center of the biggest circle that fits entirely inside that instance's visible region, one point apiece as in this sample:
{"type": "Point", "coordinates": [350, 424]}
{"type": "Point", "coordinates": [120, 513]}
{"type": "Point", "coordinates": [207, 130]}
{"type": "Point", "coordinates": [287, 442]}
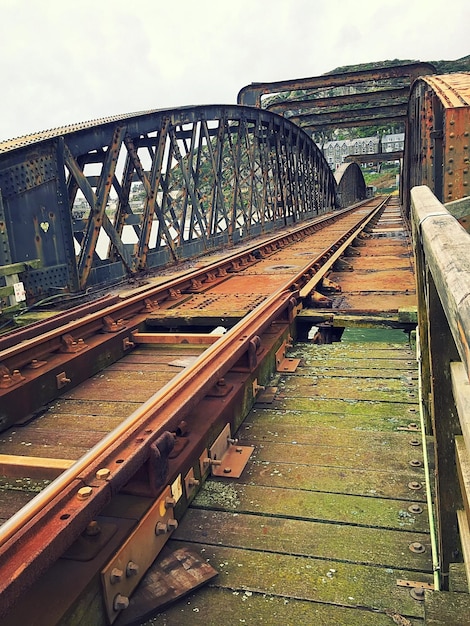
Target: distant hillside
{"type": "Point", "coordinates": [442, 67]}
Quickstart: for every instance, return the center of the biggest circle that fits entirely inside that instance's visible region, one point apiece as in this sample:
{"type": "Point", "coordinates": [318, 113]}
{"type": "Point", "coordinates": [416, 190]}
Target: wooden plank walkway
{"type": "Point", "coordinates": [322, 523]}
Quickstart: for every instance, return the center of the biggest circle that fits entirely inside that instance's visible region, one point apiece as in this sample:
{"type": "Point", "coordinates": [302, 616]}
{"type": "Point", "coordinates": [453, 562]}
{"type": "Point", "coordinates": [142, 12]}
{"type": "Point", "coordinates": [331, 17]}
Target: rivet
{"type": "Point", "coordinates": [416, 463]}
{"type": "Point", "coordinates": [451, 134]}
{"type": "Point", "coordinates": [414, 484]}
{"type": "Point", "coordinates": [415, 508]}
{"type": "Point", "coordinates": [415, 442]}
{"type": "Point", "coordinates": [103, 473]}
{"type": "Point", "coordinates": [84, 492]}
{"type": "Point", "coordinates": [227, 470]}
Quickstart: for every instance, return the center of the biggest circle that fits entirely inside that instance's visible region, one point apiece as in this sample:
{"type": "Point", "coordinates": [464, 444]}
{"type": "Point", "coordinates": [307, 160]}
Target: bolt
{"type": "Point", "coordinates": [120, 602]}
{"type": "Point", "coordinates": [415, 442]}
{"type": "Point", "coordinates": [417, 593]}
{"type": "Point", "coordinates": [415, 508]}
{"type": "Point", "coordinates": [84, 492]}
{"type": "Point", "coordinates": [415, 485]}
{"type": "Point", "coordinates": [93, 529]}
{"type": "Point", "coordinates": [227, 470]}
{"type": "Point", "coordinates": [193, 482]}
{"type": "Point", "coordinates": [116, 575]}
{"type": "Point", "coordinates": [103, 473]}
{"type": "Point", "coordinates": [161, 528]}
{"type": "Point", "coordinates": [132, 569]}
{"type": "Point", "coordinates": [172, 524]}
{"type": "Point", "coordinates": [170, 503]}
{"type": "Point", "coordinates": [417, 547]}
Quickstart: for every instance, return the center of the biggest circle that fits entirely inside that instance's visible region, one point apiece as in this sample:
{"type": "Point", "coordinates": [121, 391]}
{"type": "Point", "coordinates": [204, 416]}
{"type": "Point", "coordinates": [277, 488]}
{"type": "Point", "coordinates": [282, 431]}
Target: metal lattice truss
{"type": "Point", "coordinates": [117, 197]}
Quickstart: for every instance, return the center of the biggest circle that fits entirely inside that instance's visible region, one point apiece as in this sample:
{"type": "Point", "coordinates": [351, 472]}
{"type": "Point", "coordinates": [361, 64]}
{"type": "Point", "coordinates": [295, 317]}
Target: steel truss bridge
{"type": "Point", "coordinates": [91, 206]}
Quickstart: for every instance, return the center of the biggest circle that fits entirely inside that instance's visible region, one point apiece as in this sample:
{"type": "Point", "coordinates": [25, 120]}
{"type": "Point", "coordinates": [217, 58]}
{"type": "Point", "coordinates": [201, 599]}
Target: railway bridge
{"type": "Point", "coordinates": [234, 384]}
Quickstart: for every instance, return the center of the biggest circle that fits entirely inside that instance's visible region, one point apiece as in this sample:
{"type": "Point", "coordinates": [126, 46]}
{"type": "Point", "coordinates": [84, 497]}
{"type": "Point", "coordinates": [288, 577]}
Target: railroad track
{"type": "Point", "coordinates": [99, 403]}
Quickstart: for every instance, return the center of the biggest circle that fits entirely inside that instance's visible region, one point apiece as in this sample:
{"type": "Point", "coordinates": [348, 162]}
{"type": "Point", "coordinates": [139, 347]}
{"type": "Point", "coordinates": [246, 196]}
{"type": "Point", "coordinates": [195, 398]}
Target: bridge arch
{"type": "Point", "coordinates": [98, 202]}
{"type": "Point", "coordinates": [351, 186]}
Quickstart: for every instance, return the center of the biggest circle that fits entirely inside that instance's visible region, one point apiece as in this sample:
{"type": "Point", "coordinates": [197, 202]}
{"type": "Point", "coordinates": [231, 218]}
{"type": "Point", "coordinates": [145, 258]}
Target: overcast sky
{"type": "Point", "coordinates": [65, 61]}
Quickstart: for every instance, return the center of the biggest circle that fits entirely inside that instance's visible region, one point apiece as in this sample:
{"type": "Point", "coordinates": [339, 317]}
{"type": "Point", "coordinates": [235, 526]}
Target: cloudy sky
{"type": "Point", "coordinates": [65, 61]}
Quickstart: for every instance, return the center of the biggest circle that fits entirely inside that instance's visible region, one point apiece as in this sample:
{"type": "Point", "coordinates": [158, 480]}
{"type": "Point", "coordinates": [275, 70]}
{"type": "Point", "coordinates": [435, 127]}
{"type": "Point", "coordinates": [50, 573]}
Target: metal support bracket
{"type": "Point", "coordinates": [226, 457]}
{"type": "Point", "coordinates": [284, 364]}
{"type": "Point", "coordinates": [128, 566]}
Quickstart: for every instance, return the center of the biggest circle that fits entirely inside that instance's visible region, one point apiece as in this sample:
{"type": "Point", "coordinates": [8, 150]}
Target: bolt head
{"type": "Point", "coordinates": [84, 492]}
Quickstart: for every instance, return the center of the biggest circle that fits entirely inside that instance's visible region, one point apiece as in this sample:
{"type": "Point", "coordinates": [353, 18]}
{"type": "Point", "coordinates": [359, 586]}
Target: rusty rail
{"type": "Point", "coordinates": [69, 503]}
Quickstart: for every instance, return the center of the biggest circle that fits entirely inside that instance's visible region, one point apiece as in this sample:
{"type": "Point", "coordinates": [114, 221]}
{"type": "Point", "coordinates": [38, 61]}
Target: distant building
{"type": "Point", "coordinates": [335, 151]}
{"type": "Point", "coordinates": [393, 143]}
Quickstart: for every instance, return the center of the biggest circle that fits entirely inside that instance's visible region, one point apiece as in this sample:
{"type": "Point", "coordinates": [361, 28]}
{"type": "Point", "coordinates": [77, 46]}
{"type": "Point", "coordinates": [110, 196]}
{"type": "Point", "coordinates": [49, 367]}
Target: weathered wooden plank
{"type": "Point", "coordinates": [458, 580]}
{"type": "Point", "coordinates": [360, 482]}
{"type": "Point", "coordinates": [356, 351]}
{"type": "Point", "coordinates": [317, 580]}
{"type": "Point", "coordinates": [395, 443]}
{"type": "Point", "coordinates": [461, 391]}
{"type": "Point", "coordinates": [445, 245]}
{"type": "Point", "coordinates": [371, 369]}
{"type": "Point", "coordinates": [12, 501]}
{"type": "Point", "coordinates": [213, 606]}
{"type": "Point", "coordinates": [388, 390]}
{"type": "Point", "coordinates": [17, 466]}
{"type": "Point", "coordinates": [94, 408]}
{"type": "Point", "coordinates": [368, 546]}
{"type": "Point", "coordinates": [464, 532]}
{"type": "Point", "coordinates": [445, 608]}
{"type": "Point", "coordinates": [343, 456]}
{"type": "Point", "coordinates": [338, 413]}
{"type": "Point", "coordinates": [298, 504]}
{"type": "Point", "coordinates": [463, 471]}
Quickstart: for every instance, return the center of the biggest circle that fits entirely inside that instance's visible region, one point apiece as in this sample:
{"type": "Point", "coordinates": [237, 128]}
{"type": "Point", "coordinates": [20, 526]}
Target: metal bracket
{"type": "Point", "coordinates": [128, 566]}
{"type": "Point", "coordinates": [284, 364]}
{"type": "Point", "coordinates": [226, 457]}
{"type": "Point", "coordinates": [414, 584]}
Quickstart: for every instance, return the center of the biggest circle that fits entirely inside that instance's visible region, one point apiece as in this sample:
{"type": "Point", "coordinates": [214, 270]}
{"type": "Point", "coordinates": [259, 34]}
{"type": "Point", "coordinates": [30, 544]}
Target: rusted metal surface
{"type": "Point", "coordinates": [438, 149]}
{"type": "Point", "coordinates": [207, 177]}
{"type": "Point", "coordinates": [251, 94]}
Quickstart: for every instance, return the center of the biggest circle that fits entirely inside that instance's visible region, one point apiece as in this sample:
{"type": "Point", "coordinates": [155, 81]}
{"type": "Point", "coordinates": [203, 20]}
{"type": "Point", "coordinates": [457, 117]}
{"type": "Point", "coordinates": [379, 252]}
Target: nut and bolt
{"type": "Point", "coordinates": [103, 473]}
{"type": "Point", "coordinates": [120, 602]}
{"type": "Point", "coordinates": [84, 492]}
{"type": "Point", "coordinates": [93, 529]}
{"type": "Point", "coordinates": [116, 575]}
{"type": "Point", "coordinates": [417, 547]}
{"type": "Point", "coordinates": [132, 569]}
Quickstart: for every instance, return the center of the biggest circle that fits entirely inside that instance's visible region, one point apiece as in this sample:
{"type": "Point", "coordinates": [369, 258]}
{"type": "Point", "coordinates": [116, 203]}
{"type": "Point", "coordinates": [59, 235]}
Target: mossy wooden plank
{"type": "Point", "coordinates": [445, 608]}
{"type": "Point", "coordinates": [362, 414]}
{"type": "Point", "coordinates": [108, 388]}
{"type": "Point", "coordinates": [298, 504]}
{"type": "Point", "coordinates": [213, 606]}
{"type": "Point", "coordinates": [356, 351]}
{"type": "Point", "coordinates": [318, 580]}
{"type": "Point", "coordinates": [60, 444]}
{"type": "Point", "coordinates": [74, 421]}
{"type": "Point", "coordinates": [352, 456]}
{"type": "Point", "coordinates": [62, 406]}
{"type": "Point", "coordinates": [458, 581]}
{"type": "Point", "coordinates": [360, 482]}
{"type": "Point", "coordinates": [368, 546]}
{"type": "Point", "coordinates": [396, 366]}
{"type": "Point", "coordinates": [388, 390]}
{"type": "Point", "coordinates": [394, 442]}
{"type": "Point", "coordinates": [344, 370]}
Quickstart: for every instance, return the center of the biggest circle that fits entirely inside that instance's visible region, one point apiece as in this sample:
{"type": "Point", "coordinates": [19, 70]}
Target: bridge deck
{"type": "Point", "coordinates": [319, 528]}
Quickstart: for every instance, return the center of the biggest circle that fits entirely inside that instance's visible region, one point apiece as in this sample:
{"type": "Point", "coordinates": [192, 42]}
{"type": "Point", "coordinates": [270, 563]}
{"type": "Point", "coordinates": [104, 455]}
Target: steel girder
{"type": "Point", "coordinates": [110, 199]}
{"type": "Point", "coordinates": [251, 94]}
{"type": "Point", "coordinates": [437, 149]}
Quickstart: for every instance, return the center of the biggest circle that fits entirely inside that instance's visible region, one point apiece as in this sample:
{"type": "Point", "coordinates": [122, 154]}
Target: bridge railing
{"type": "Point", "coordinates": [102, 201]}
{"type": "Point", "coordinates": [442, 249]}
